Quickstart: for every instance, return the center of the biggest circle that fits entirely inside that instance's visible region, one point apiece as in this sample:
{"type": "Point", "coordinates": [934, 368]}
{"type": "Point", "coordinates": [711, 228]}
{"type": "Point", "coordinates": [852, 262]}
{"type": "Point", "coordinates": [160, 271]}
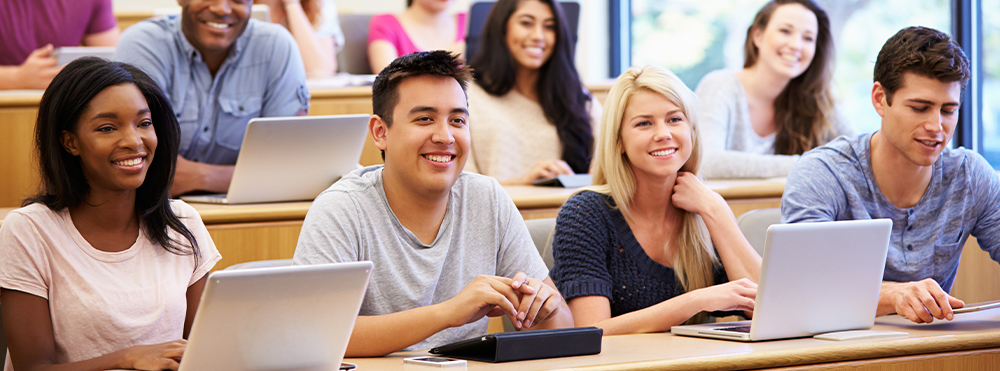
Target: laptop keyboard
{"type": "Point", "coordinates": [743, 329]}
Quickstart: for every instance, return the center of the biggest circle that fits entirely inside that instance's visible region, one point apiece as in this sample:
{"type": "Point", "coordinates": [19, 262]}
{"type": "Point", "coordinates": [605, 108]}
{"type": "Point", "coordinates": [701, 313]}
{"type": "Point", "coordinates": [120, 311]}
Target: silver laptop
{"type": "Point", "coordinates": [285, 318]}
{"type": "Point", "coordinates": [292, 158]}
{"type": "Point", "coordinates": [815, 278]}
{"type": "Point", "coordinates": [67, 54]}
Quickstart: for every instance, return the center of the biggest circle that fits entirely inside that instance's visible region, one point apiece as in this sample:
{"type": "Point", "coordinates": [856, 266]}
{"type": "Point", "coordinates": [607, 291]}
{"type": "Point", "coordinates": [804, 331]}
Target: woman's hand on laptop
{"type": "Point", "coordinates": [538, 300]}
{"type": "Point", "coordinates": [918, 301]}
{"type": "Point", "coordinates": [165, 356]}
{"type": "Point", "coordinates": [733, 295]}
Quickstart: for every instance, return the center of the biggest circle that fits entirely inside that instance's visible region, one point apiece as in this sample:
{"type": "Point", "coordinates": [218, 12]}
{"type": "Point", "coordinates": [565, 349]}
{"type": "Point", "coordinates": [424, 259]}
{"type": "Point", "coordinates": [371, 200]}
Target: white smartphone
{"type": "Point", "coordinates": [435, 361]}
{"type": "Point", "coordinates": [977, 307]}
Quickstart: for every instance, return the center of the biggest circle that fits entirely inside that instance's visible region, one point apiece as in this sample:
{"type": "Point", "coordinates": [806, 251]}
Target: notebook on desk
{"type": "Point", "coordinates": [292, 158]}
{"type": "Point", "coordinates": [284, 318]}
{"type": "Point", "coordinates": [815, 278]}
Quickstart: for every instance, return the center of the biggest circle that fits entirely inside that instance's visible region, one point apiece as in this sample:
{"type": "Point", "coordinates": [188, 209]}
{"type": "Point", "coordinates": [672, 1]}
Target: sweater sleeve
{"type": "Point", "coordinates": [720, 115]}
{"type": "Point", "coordinates": [579, 248]}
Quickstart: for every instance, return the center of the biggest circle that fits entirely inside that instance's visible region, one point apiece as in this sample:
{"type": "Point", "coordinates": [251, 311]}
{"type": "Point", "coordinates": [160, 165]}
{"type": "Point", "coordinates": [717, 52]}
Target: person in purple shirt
{"type": "Point", "coordinates": [936, 196]}
{"type": "Point", "coordinates": [31, 30]}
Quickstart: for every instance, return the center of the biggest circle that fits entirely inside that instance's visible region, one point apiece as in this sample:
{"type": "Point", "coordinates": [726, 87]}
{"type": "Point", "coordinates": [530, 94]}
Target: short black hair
{"type": "Point", "coordinates": [63, 182]}
{"type": "Point", "coordinates": [923, 51]}
{"type": "Point", "coordinates": [431, 63]}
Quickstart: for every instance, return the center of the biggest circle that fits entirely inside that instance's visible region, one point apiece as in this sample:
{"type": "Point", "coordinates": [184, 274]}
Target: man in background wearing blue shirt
{"type": "Point", "coordinates": [935, 196]}
{"type": "Point", "coordinates": [220, 69]}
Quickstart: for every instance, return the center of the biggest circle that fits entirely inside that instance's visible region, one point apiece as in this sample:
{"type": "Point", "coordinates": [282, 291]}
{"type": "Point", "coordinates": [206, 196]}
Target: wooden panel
{"type": "Point", "coordinates": [742, 206]}
{"type": "Point", "coordinates": [978, 277]}
{"type": "Point", "coordinates": [127, 18]}
{"type": "Point", "coordinates": [245, 242]}
{"type": "Point", "coordinates": [18, 176]}
{"type": "Point", "coordinates": [988, 359]}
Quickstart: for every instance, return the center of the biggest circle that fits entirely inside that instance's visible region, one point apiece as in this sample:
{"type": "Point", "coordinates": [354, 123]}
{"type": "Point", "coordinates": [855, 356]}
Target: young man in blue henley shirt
{"type": "Point", "coordinates": [936, 196]}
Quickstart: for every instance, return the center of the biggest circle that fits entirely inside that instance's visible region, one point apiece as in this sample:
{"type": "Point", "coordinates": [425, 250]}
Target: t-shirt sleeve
{"type": "Point", "coordinates": [987, 188]}
{"type": "Point", "coordinates": [330, 232]}
{"type": "Point", "coordinates": [330, 25]}
{"type": "Point", "coordinates": [103, 18]}
{"type": "Point", "coordinates": [209, 254]}
{"type": "Point", "coordinates": [286, 93]}
{"type": "Point", "coordinates": [517, 252]}
{"type": "Point", "coordinates": [812, 192]}
{"type": "Point", "coordinates": [23, 263]}
{"type": "Point", "coordinates": [384, 27]}
{"type": "Point", "coordinates": [579, 248]}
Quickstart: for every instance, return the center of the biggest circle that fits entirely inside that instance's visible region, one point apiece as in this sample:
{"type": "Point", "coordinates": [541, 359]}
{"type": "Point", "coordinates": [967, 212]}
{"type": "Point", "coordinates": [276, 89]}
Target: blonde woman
{"type": "Point", "coordinates": [649, 246]}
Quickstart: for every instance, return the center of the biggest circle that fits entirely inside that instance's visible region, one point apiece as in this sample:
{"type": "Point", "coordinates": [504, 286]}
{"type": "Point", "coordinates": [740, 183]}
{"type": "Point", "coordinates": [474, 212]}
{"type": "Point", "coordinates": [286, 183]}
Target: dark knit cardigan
{"type": "Point", "coordinates": [596, 253]}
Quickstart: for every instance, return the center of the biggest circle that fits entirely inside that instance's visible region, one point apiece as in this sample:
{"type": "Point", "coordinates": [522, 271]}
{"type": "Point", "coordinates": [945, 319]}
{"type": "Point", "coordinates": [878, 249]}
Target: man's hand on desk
{"type": "Point", "coordinates": [920, 301]}
{"type": "Point", "coordinates": [190, 176]}
{"type": "Point", "coordinates": [36, 72]}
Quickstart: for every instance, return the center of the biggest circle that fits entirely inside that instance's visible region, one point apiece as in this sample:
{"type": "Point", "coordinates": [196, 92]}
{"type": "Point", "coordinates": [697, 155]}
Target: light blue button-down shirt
{"type": "Point", "coordinates": [835, 182]}
{"type": "Point", "coordinates": [263, 76]}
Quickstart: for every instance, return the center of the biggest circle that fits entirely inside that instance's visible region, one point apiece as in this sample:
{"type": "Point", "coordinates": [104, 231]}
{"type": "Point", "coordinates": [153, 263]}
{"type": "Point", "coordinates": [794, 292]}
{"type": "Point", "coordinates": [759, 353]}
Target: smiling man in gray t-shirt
{"type": "Point", "coordinates": [449, 247]}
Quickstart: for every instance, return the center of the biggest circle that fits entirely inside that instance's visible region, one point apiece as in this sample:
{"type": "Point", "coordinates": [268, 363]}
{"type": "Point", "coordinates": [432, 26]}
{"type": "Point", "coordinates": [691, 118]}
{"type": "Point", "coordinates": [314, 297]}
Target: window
{"type": "Point", "coordinates": [990, 132]}
{"type": "Point", "coordinates": [694, 37]}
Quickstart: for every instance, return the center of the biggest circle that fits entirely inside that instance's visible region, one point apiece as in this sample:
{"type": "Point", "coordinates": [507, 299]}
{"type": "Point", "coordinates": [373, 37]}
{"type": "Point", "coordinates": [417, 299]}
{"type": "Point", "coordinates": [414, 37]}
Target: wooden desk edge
{"type": "Point", "coordinates": [817, 355]}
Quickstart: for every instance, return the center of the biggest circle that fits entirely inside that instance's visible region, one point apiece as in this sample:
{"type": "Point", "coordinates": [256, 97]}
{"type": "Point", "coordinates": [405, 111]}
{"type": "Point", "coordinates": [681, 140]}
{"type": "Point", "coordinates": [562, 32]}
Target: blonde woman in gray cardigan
{"type": "Point", "coordinates": [758, 120]}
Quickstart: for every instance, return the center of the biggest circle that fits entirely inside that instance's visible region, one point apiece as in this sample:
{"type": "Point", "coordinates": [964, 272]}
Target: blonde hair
{"type": "Point", "coordinates": [694, 257]}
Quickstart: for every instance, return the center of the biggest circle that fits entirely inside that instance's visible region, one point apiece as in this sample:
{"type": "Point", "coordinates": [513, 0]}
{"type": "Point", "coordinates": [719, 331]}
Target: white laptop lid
{"type": "Point", "coordinates": [284, 318]}
{"type": "Point", "coordinates": [66, 54]}
{"type": "Point", "coordinates": [816, 278]}
{"type": "Point", "coordinates": [294, 158]}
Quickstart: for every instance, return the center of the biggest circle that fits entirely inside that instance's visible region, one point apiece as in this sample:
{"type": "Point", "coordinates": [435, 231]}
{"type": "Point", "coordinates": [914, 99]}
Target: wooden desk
{"type": "Point", "coordinates": [969, 342]}
{"type": "Point", "coordinates": [270, 231]}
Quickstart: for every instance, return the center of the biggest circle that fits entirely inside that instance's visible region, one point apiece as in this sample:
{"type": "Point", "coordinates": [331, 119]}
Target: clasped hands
{"type": "Point", "coordinates": [526, 301]}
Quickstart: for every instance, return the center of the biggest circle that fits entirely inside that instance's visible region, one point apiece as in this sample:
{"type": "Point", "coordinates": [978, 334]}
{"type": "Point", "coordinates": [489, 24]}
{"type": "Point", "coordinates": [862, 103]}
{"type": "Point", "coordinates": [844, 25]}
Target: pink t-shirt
{"type": "Point", "coordinates": [101, 302]}
{"type": "Point", "coordinates": [386, 27]}
{"type": "Point", "coordinates": [26, 25]}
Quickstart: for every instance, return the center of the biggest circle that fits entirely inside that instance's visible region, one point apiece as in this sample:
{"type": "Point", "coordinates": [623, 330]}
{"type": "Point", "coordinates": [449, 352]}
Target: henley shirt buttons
{"type": "Point", "coordinates": [910, 228]}
{"type": "Point", "coordinates": [205, 129]}
{"type": "Point", "coordinates": [909, 247]}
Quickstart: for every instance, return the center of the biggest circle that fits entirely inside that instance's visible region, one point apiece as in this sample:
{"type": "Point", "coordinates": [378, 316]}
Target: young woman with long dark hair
{"type": "Point", "coordinates": [100, 269]}
{"type": "Point", "coordinates": [530, 116]}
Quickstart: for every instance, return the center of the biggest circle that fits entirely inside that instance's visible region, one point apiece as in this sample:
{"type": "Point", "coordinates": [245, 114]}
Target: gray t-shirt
{"type": "Point", "coordinates": [835, 182]}
{"type": "Point", "coordinates": [482, 233]}
{"type": "Point", "coordinates": [732, 149]}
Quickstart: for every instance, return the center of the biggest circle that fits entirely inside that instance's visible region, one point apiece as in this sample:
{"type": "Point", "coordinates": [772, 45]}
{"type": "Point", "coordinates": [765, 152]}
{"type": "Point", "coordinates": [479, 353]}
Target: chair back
{"type": "Point", "coordinates": [541, 234]}
{"type": "Point", "coordinates": [754, 225]}
{"type": "Point", "coordinates": [353, 58]}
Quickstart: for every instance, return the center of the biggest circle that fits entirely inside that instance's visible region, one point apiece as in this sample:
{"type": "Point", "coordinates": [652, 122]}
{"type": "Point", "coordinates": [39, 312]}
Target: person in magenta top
{"type": "Point", "coordinates": [424, 25]}
{"type": "Point", "coordinates": [30, 31]}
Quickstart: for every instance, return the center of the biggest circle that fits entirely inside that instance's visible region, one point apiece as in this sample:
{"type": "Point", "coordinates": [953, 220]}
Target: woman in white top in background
{"type": "Point", "coordinates": [316, 29]}
{"type": "Point", "coordinates": [756, 121]}
{"type": "Point", "coordinates": [101, 270]}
